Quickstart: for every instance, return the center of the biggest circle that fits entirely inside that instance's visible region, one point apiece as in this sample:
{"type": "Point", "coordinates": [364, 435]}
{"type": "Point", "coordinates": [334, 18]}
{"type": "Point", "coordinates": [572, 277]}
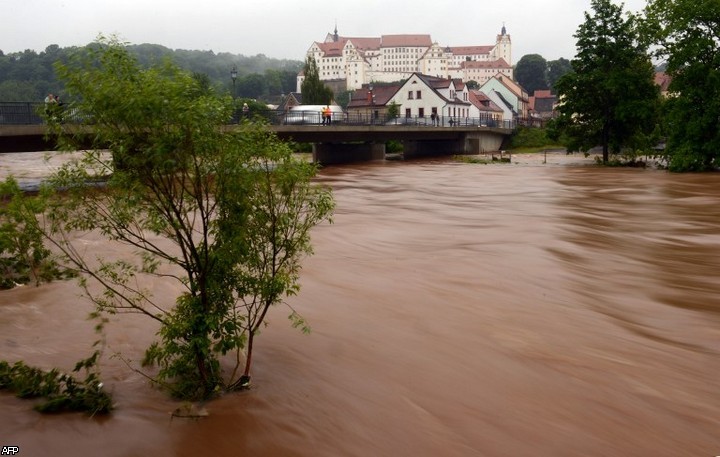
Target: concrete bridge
{"type": "Point", "coordinates": [354, 143]}
{"type": "Point", "coordinates": [351, 140]}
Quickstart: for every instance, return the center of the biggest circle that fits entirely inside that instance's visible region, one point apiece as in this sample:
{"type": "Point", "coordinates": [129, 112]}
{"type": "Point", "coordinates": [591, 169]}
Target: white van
{"type": "Point", "coordinates": [312, 114]}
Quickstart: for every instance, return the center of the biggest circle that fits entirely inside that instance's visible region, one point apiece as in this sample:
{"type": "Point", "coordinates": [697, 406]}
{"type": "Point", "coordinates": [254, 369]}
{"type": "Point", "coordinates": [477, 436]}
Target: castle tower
{"type": "Point", "coordinates": [503, 46]}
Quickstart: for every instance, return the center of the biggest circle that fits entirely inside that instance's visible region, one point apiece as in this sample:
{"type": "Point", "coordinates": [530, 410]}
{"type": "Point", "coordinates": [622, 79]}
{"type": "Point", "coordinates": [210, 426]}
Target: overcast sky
{"type": "Point", "coordinates": [287, 28]}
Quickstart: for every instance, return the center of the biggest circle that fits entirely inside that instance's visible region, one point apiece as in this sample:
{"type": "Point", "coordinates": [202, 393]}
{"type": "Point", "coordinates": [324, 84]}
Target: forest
{"type": "Point", "coordinates": [29, 75]}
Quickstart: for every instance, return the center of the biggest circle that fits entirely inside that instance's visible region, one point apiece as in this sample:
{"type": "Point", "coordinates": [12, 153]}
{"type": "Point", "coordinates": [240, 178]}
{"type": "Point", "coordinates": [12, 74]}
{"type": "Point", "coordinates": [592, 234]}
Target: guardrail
{"type": "Point", "coordinates": [32, 113]}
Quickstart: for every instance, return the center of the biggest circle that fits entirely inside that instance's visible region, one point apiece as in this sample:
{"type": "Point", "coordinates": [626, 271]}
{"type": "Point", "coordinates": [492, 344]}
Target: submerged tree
{"type": "Point", "coordinates": [688, 35]}
{"type": "Point", "coordinates": [225, 214]}
{"type": "Point", "coordinates": [609, 99]}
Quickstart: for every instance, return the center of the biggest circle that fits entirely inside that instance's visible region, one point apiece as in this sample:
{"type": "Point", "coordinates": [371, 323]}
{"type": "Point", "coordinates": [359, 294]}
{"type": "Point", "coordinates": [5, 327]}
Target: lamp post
{"type": "Point", "coordinates": [233, 75]}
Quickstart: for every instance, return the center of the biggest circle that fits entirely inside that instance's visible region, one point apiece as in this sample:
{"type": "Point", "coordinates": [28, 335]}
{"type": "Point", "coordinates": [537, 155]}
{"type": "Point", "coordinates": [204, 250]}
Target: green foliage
{"type": "Point", "coordinates": [314, 91]}
{"type": "Point", "coordinates": [687, 34]}
{"type": "Point", "coordinates": [29, 76]}
{"type": "Point", "coordinates": [61, 392]}
{"type": "Point", "coordinates": [609, 98]}
{"type": "Point", "coordinates": [23, 256]}
{"type": "Point", "coordinates": [531, 73]}
{"type": "Point", "coordinates": [393, 110]}
{"type": "Point", "coordinates": [556, 70]}
{"type": "Point", "coordinates": [526, 137]}
{"type": "Point", "coordinates": [343, 98]}
{"type": "Point", "coordinates": [472, 85]}
{"type": "Point", "coordinates": [471, 159]}
{"type": "Point", "coordinates": [225, 214]}
{"type": "Point", "coordinates": [393, 147]}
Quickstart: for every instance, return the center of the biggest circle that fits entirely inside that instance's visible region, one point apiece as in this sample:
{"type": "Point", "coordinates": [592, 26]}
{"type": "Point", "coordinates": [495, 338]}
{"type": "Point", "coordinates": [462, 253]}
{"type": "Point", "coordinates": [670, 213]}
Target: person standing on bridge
{"type": "Point", "coordinates": [51, 106]}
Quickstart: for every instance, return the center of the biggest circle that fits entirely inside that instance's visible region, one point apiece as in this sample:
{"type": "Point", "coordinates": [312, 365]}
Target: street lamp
{"type": "Point", "coordinates": [233, 75]}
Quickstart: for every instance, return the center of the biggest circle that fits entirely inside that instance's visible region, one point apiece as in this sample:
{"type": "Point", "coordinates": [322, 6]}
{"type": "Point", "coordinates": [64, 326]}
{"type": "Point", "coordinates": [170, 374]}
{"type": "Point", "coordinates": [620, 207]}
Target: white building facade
{"type": "Point", "coordinates": [388, 58]}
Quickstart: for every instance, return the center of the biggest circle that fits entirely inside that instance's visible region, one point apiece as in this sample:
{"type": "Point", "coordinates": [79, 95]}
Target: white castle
{"type": "Point", "coordinates": [354, 61]}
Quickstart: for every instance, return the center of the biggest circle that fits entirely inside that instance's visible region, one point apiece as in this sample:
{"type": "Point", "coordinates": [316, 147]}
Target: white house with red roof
{"type": "Point", "coordinates": [508, 95]}
{"type": "Point", "coordinates": [421, 96]}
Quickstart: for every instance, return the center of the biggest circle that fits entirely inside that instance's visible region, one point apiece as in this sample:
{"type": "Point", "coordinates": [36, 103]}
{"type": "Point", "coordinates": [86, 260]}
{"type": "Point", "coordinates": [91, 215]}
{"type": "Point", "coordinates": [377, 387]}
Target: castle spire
{"type": "Point", "coordinates": [503, 31]}
{"type": "Point", "coordinates": [336, 37]}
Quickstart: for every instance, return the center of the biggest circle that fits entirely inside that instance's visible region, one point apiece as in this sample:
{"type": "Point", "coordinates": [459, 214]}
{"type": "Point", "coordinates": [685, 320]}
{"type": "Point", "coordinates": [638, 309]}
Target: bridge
{"type": "Point", "coordinates": [352, 138]}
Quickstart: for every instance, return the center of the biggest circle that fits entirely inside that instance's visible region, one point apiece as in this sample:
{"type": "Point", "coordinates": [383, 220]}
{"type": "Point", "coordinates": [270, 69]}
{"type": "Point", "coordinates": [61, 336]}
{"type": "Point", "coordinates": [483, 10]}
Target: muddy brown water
{"type": "Point", "coordinates": [552, 309]}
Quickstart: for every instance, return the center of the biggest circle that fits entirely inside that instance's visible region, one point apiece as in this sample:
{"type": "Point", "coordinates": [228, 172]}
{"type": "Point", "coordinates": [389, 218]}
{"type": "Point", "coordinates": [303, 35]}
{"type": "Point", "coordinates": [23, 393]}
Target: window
{"type": "Point", "coordinates": [410, 95]}
{"type": "Point", "coordinates": [407, 112]}
{"type": "Point", "coordinates": [421, 112]}
{"type": "Point", "coordinates": [419, 95]}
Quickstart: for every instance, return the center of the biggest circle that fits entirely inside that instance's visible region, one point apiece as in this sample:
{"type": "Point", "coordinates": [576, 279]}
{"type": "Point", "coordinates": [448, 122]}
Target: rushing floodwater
{"type": "Point", "coordinates": [457, 310]}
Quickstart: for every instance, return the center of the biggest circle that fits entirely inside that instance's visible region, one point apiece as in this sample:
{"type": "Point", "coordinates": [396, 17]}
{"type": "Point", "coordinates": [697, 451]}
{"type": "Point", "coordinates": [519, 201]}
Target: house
{"type": "Point", "coordinates": [542, 104]}
{"type": "Point", "coordinates": [488, 110]}
{"type": "Point", "coordinates": [290, 100]}
{"type": "Point", "coordinates": [371, 101]}
{"type": "Point", "coordinates": [418, 97]}
{"type": "Point", "coordinates": [507, 93]}
{"type": "Point", "coordinates": [663, 80]}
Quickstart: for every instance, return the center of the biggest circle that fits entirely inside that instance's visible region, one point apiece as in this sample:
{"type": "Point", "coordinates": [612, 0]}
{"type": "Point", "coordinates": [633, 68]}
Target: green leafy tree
{"type": "Point", "coordinates": [226, 215]}
{"type": "Point", "coordinates": [393, 110]}
{"type": "Point", "coordinates": [687, 33]}
{"type": "Point", "coordinates": [314, 92]}
{"type": "Point", "coordinates": [472, 85]}
{"type": "Point", "coordinates": [531, 73]}
{"type": "Point", "coordinates": [556, 70]}
{"type": "Point", "coordinates": [24, 258]}
{"type": "Point", "coordinates": [609, 98]}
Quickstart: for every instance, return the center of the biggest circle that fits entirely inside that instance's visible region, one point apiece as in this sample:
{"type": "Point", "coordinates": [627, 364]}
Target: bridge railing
{"type": "Point", "coordinates": [21, 113]}
{"type": "Point", "coordinates": [298, 117]}
{"type": "Point", "coordinates": [31, 113]}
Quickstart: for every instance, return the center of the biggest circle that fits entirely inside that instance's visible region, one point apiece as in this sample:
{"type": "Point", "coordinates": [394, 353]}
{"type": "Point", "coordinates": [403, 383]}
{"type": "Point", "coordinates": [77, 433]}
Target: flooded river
{"type": "Point", "coordinates": [457, 309]}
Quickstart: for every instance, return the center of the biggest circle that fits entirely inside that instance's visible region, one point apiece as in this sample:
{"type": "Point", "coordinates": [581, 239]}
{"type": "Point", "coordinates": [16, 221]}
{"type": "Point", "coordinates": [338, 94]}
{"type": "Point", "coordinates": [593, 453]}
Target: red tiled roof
{"type": "Point", "coordinates": [543, 94]}
{"type": "Point", "coordinates": [364, 43]}
{"type": "Point", "coordinates": [500, 63]}
{"type": "Point", "coordinates": [483, 102]}
{"type": "Point", "coordinates": [332, 48]}
{"type": "Point", "coordinates": [662, 79]}
{"type": "Point", "coordinates": [382, 95]}
{"type": "Point", "coordinates": [471, 50]}
{"type": "Point", "coordinates": [393, 41]}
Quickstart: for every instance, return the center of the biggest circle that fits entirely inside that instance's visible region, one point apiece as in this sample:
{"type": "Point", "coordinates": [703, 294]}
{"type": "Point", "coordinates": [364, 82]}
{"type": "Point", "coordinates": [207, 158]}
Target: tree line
{"type": "Point", "coordinates": [29, 75]}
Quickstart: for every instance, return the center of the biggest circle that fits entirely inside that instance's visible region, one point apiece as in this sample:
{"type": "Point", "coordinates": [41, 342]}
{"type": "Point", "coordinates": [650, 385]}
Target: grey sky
{"type": "Point", "coordinates": [287, 28]}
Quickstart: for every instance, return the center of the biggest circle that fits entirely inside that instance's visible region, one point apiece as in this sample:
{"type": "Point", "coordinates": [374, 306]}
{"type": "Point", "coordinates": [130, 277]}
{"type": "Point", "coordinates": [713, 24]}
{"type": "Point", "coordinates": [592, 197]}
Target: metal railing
{"type": "Point", "coordinates": [21, 113]}
{"type": "Point", "coordinates": [32, 113]}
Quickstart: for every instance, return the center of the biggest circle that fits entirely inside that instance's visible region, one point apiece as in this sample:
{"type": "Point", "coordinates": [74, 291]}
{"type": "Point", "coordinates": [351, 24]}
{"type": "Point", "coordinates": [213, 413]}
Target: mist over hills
{"type": "Point", "coordinates": [29, 75]}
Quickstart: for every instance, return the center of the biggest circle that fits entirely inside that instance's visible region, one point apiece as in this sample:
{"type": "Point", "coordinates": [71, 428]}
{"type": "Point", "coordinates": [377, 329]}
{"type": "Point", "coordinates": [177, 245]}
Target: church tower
{"type": "Point", "coordinates": [503, 46]}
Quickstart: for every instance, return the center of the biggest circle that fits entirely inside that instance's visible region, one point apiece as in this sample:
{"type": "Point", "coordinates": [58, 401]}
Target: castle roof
{"type": "Point", "coordinates": [394, 41]}
{"type": "Point", "coordinates": [499, 63]}
{"type": "Point", "coordinates": [471, 50]}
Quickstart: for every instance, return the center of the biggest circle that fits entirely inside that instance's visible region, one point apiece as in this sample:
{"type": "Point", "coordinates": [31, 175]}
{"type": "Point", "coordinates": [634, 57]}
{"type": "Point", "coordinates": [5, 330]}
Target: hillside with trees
{"type": "Point", "coordinates": [30, 75]}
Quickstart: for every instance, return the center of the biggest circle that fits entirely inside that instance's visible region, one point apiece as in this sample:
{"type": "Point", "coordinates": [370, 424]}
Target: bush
{"type": "Point", "coordinates": [527, 137]}
{"type": "Point", "coordinates": [61, 392]}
